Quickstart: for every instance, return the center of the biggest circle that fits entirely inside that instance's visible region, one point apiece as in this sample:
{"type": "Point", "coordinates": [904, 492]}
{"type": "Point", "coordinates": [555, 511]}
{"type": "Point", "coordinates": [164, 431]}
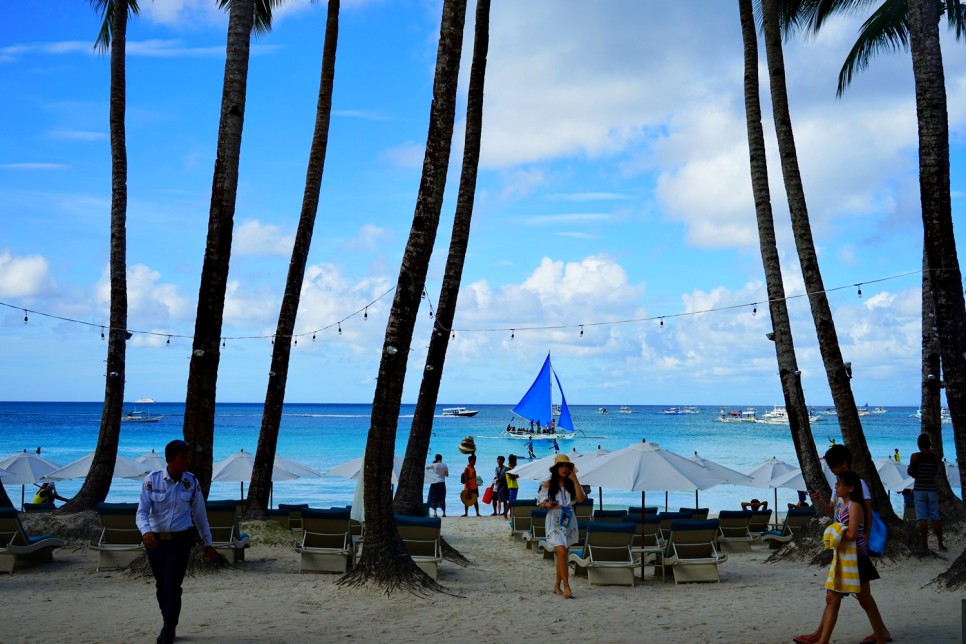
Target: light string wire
{"type": "Point", "coordinates": [512, 329]}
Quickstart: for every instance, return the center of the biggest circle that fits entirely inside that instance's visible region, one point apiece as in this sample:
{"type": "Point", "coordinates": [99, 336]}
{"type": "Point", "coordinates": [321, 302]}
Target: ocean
{"type": "Point", "coordinates": [322, 436]}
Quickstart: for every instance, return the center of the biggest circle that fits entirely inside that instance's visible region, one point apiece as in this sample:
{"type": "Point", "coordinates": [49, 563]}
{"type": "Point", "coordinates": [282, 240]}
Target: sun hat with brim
{"type": "Point", "coordinates": [469, 497]}
{"type": "Point", "coordinates": [562, 459]}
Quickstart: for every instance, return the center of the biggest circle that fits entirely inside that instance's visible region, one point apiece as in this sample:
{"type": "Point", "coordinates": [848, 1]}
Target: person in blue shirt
{"type": "Point", "coordinates": [170, 507]}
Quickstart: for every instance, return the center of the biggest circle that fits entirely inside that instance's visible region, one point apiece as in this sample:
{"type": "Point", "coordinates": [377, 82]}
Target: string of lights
{"type": "Point", "coordinates": [364, 310]}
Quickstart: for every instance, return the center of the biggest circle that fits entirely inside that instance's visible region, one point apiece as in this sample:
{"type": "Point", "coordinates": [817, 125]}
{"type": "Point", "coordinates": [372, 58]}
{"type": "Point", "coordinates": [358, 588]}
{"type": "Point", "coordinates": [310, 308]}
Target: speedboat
{"type": "Point", "coordinates": [461, 412]}
{"type": "Point", "coordinates": [138, 417]}
{"type": "Point", "coordinates": [625, 409]}
{"type": "Point", "coordinates": [672, 411]}
{"type": "Point", "coordinates": [749, 415]}
{"type": "Point", "coordinates": [602, 410]}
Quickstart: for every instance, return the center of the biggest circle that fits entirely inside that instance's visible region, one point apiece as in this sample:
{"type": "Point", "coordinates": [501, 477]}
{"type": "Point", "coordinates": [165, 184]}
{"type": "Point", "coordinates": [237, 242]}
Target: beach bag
{"type": "Point", "coordinates": [488, 494]}
{"type": "Point", "coordinates": [479, 481]}
{"type": "Point", "coordinates": [463, 477]}
{"type": "Point", "coordinates": [877, 535]}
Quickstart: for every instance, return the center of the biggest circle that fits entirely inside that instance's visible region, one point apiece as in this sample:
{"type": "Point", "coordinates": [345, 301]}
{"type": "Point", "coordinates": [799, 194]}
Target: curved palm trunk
{"type": "Point", "coordinates": [261, 485]}
{"type": "Point", "coordinates": [199, 411]}
{"type": "Point", "coordinates": [784, 343]}
{"type": "Point", "coordinates": [384, 561]}
{"type": "Point", "coordinates": [836, 372]}
{"type": "Point", "coordinates": [98, 481]}
{"type": "Point", "coordinates": [410, 489]}
{"type": "Point", "coordinates": [940, 244]}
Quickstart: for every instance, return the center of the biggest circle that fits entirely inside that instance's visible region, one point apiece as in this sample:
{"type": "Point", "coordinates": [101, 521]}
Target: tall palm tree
{"type": "Point", "coordinates": [113, 35]}
{"type": "Point", "coordinates": [837, 373]}
{"type": "Point", "coordinates": [199, 411]}
{"type": "Point", "coordinates": [409, 491]}
{"type": "Point", "coordinates": [384, 560]}
{"type": "Point", "coordinates": [788, 370]}
{"type": "Point", "coordinates": [261, 484]}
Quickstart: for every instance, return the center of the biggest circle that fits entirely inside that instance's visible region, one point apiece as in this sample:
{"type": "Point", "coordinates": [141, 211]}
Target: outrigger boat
{"type": "Point", "coordinates": [536, 408]}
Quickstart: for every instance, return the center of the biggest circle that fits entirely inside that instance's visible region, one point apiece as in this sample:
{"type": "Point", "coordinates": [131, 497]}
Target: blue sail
{"type": "Point", "coordinates": [564, 422]}
{"type": "Point", "coordinates": [535, 404]}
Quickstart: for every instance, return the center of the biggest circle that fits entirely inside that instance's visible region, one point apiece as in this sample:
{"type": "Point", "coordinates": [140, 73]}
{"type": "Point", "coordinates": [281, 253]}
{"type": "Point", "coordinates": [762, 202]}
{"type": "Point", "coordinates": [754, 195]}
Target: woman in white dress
{"type": "Point", "coordinates": [558, 496]}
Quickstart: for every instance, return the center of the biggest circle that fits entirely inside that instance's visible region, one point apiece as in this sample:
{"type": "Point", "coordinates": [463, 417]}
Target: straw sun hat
{"type": "Point", "coordinates": [562, 458]}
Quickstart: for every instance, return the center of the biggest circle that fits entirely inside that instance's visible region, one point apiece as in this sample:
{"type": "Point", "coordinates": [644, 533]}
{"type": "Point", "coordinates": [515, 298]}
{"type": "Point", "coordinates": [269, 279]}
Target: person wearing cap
{"type": "Point", "coordinates": [171, 500]}
{"type": "Point", "coordinates": [558, 495]}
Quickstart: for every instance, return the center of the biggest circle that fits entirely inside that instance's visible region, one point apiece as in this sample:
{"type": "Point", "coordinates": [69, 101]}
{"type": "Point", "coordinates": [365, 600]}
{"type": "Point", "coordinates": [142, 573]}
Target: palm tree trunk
{"type": "Point", "coordinates": [940, 243]}
{"type": "Point", "coordinates": [409, 492]}
{"type": "Point", "coordinates": [199, 412]}
{"type": "Point", "coordinates": [836, 372]}
{"type": "Point", "coordinates": [261, 484]}
{"type": "Point", "coordinates": [98, 481]}
{"type": "Point", "coordinates": [384, 561]}
{"type": "Point", "coordinates": [788, 370]}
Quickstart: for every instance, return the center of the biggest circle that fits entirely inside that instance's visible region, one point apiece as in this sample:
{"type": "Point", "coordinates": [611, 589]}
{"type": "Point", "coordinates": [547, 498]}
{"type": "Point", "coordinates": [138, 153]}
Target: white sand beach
{"type": "Point", "coordinates": [504, 597]}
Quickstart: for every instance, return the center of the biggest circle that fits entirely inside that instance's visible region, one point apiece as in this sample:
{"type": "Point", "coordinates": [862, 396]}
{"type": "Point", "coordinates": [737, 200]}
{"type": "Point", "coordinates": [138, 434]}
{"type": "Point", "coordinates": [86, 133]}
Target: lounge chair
{"type": "Point", "coordinates": [226, 535]}
{"type": "Point", "coordinates": [691, 551]}
{"type": "Point", "coordinates": [294, 514]}
{"type": "Point", "coordinates": [759, 523]}
{"type": "Point", "coordinates": [326, 540]}
{"type": "Point", "coordinates": [279, 516]}
{"type": "Point", "coordinates": [17, 545]}
{"type": "Point", "coordinates": [666, 518]}
{"type": "Point", "coordinates": [794, 520]}
{"type": "Point", "coordinates": [698, 514]}
{"type": "Point", "coordinates": [421, 536]}
{"type": "Point", "coordinates": [120, 540]}
{"type": "Point", "coordinates": [520, 516]}
{"type": "Point", "coordinates": [538, 529]}
{"type": "Point", "coordinates": [549, 553]}
{"type": "Point", "coordinates": [609, 516]}
{"type": "Point", "coordinates": [733, 533]}
{"type": "Point", "coordinates": [640, 509]}
{"type": "Point", "coordinates": [38, 507]}
{"type": "Point", "coordinates": [584, 510]}
{"type": "Point", "coordinates": [648, 545]}
{"type": "Point", "coordinates": [605, 557]}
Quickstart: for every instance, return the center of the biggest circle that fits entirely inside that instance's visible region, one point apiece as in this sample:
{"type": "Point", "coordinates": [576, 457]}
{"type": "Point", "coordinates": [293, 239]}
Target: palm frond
{"type": "Point", "coordinates": [814, 13]}
{"type": "Point", "coordinates": [956, 15]}
{"type": "Point", "coordinates": [106, 10]}
{"type": "Point", "coordinates": [262, 17]}
{"type": "Point", "coordinates": [886, 29]}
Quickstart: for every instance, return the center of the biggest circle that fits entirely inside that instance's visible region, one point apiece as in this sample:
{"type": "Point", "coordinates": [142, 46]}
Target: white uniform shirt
{"type": "Point", "coordinates": [437, 473]}
{"type": "Point", "coordinates": [167, 505]}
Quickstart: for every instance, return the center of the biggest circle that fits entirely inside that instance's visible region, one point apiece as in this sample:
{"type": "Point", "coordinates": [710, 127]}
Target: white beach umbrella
{"type": "Point", "coordinates": [539, 470]}
{"type": "Point", "coordinates": [729, 475]}
{"type": "Point", "coordinates": [894, 475]}
{"type": "Point", "coordinates": [795, 480]}
{"type": "Point", "coordinates": [585, 461]}
{"type": "Point", "coordinates": [353, 469]}
{"type": "Point", "coordinates": [239, 466]}
{"type": "Point", "coordinates": [645, 466]}
{"type": "Point", "coordinates": [124, 468]}
{"type": "Point", "coordinates": [952, 473]}
{"type": "Point", "coordinates": [4, 474]}
{"type": "Point", "coordinates": [765, 474]}
{"type": "Point", "coordinates": [26, 467]}
{"type": "Point", "coordinates": [153, 461]}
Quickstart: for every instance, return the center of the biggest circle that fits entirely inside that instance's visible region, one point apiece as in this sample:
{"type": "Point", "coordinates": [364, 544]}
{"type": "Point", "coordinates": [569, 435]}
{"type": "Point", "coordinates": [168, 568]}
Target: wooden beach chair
{"type": "Point", "coordinates": [226, 535]}
{"type": "Point", "coordinates": [691, 551]}
{"type": "Point", "coordinates": [794, 520]}
{"type": "Point", "coordinates": [605, 557]}
{"type": "Point", "coordinates": [421, 536]}
{"type": "Point", "coordinates": [326, 540]}
{"type": "Point", "coordinates": [120, 540]}
{"type": "Point", "coordinates": [733, 533]}
{"type": "Point", "coordinates": [17, 545]}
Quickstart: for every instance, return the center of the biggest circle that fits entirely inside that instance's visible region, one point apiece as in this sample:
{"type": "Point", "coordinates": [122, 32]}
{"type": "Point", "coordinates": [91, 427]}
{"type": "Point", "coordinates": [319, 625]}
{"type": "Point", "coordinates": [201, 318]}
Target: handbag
{"type": "Point", "coordinates": [877, 535]}
{"type": "Point", "coordinates": [488, 494]}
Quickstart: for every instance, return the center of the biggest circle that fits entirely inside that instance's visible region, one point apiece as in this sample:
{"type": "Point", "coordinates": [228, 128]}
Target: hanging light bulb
{"type": "Point", "coordinates": [102, 333]}
{"type": "Point", "coordinates": [25, 316]}
{"type": "Point", "coordinates": [340, 328]}
{"type": "Point", "coordinates": [662, 323]}
{"type": "Point", "coordinates": [581, 330]}
{"type": "Point", "coordinates": [222, 342]}
{"type": "Point", "coordinates": [168, 343]}
{"type": "Point", "coordinates": [365, 314]}
{"type": "Point", "coordinates": [860, 290]}
{"type": "Point", "coordinates": [754, 311]}
{"type": "Point", "coordinates": [512, 334]}
{"type": "Point", "coordinates": [313, 337]}
{"type": "Point", "coordinates": [431, 314]}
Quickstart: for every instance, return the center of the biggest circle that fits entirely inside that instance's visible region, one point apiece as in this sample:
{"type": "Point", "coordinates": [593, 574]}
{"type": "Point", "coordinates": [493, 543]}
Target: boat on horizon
{"type": "Point", "coordinates": [602, 410]}
{"type": "Point", "coordinates": [459, 412]}
{"type": "Point", "coordinates": [779, 416]}
{"type": "Point", "coordinates": [145, 400]}
{"type": "Point", "coordinates": [747, 415]}
{"type": "Point", "coordinates": [536, 408]}
{"type": "Point", "coordinates": [139, 417]}
{"type": "Point", "coordinates": [625, 409]}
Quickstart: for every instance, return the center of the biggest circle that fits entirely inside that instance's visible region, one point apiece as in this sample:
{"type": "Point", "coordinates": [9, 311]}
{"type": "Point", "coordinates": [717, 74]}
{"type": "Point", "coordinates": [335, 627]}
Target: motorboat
{"type": "Point", "coordinates": [691, 409]}
{"type": "Point", "coordinates": [541, 421]}
{"type": "Point", "coordinates": [602, 410]}
{"type": "Point", "coordinates": [625, 409]}
{"type": "Point", "coordinates": [139, 417]}
{"type": "Point", "coordinates": [748, 415]}
{"type": "Point", "coordinates": [672, 411]}
{"type": "Point", "coordinates": [779, 416]}
{"type": "Point", "coordinates": [145, 400]}
{"type": "Point", "coordinates": [460, 412]}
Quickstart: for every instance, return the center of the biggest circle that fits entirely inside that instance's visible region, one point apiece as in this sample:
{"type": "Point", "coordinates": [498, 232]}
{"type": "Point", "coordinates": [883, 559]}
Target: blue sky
{"type": "Point", "coordinates": [614, 186]}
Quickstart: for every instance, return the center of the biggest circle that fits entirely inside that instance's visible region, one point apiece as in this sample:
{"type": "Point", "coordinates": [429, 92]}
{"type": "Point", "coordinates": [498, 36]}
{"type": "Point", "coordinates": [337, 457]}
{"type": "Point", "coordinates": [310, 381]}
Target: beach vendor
{"type": "Point", "coordinates": [171, 500]}
{"type": "Point", "coordinates": [471, 489]}
{"type": "Point", "coordinates": [47, 493]}
{"type": "Point", "coordinates": [437, 486]}
{"type": "Point", "coordinates": [558, 495]}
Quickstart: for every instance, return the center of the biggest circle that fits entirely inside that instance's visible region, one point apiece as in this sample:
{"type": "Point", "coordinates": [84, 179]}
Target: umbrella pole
{"type": "Point", "coordinates": [695, 498]}
{"type": "Point", "coordinates": [643, 556]}
{"type": "Point", "coordinates": [600, 495]}
{"type": "Point", "coordinates": [665, 502]}
{"type": "Point", "coordinates": [22, 488]}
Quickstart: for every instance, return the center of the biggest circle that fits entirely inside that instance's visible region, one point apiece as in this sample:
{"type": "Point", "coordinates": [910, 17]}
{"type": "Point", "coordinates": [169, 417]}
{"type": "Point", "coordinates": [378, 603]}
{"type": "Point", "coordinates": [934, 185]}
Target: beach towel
{"type": "Point", "coordinates": [843, 574]}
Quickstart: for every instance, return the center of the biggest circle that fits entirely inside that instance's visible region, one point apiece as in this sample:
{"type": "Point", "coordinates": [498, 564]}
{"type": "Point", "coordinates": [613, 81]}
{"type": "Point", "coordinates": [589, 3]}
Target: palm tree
{"type": "Point", "coordinates": [837, 373]}
{"type": "Point", "coordinates": [788, 370]}
{"type": "Point", "coordinates": [409, 491]}
{"type": "Point", "coordinates": [199, 411]}
{"type": "Point", "coordinates": [384, 560]}
{"type": "Point", "coordinates": [261, 483]}
{"type": "Point", "coordinates": [113, 35]}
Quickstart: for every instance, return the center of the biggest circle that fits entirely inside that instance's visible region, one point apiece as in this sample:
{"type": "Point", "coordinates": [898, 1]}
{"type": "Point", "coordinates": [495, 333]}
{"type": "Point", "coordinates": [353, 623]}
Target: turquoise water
{"type": "Point", "coordinates": [322, 436]}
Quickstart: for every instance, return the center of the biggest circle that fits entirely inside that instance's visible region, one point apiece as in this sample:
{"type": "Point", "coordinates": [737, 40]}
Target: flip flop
{"type": "Point", "coordinates": [871, 639]}
{"type": "Point", "coordinates": [807, 639]}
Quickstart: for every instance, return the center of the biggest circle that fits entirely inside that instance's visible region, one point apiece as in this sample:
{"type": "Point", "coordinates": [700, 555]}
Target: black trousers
{"type": "Point", "coordinates": [169, 561]}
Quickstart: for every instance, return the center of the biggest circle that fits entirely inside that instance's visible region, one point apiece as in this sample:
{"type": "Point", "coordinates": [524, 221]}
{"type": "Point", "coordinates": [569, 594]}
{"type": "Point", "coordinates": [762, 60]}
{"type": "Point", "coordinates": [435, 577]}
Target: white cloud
{"type": "Point", "coordinates": [149, 300]}
{"type": "Point", "coordinates": [79, 135]}
{"type": "Point", "coordinates": [34, 166]}
{"type": "Point", "coordinates": [405, 155]}
{"type": "Point", "coordinates": [255, 238]}
{"type": "Point", "coordinates": [24, 275]}
{"type": "Point", "coordinates": [370, 239]}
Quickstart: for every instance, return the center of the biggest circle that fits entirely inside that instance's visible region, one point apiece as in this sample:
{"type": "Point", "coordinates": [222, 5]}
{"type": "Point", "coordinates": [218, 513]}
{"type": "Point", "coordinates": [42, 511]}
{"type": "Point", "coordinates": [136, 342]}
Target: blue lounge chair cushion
{"type": "Point", "coordinates": [427, 522]}
{"type": "Point", "coordinates": [319, 513]}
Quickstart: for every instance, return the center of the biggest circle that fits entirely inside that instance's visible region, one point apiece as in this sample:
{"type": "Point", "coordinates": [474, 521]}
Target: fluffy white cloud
{"type": "Point", "coordinates": [149, 300]}
{"type": "Point", "coordinates": [255, 238]}
{"type": "Point", "coordinates": [23, 275]}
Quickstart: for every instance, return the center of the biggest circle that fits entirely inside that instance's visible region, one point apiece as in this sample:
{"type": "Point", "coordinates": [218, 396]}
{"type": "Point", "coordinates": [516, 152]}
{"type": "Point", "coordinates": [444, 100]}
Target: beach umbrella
{"type": "Point", "coordinates": [239, 466]}
{"type": "Point", "coordinates": [952, 473]}
{"type": "Point", "coordinates": [4, 474]}
{"type": "Point", "coordinates": [795, 480]}
{"type": "Point", "coordinates": [539, 470]}
{"type": "Point", "coordinates": [353, 470]}
{"type": "Point", "coordinates": [124, 468]}
{"type": "Point", "coordinates": [763, 475]}
{"type": "Point", "coordinates": [729, 475]}
{"type": "Point", "coordinates": [26, 467]}
{"type": "Point", "coordinates": [153, 461]}
{"type": "Point", "coordinates": [643, 466]}
{"type": "Point", "coordinates": [894, 475]}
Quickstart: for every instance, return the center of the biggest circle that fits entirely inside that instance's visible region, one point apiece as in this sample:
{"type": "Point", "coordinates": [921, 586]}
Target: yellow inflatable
{"type": "Point", "coordinates": [467, 446]}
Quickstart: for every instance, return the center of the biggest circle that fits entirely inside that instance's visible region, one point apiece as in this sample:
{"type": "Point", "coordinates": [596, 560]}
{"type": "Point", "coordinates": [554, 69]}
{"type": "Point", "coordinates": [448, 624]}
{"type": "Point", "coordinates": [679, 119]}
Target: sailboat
{"type": "Point", "coordinates": [537, 410]}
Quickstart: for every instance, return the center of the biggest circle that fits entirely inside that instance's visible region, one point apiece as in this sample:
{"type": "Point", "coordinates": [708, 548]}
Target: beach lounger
{"type": "Point", "coordinates": [16, 545]}
{"type": "Point", "coordinates": [326, 540]}
{"type": "Point", "coordinates": [605, 557]}
{"type": "Point", "coordinates": [759, 523]}
{"type": "Point", "coordinates": [639, 509]}
{"type": "Point", "coordinates": [226, 535]}
{"type": "Point", "coordinates": [584, 510]}
{"type": "Point", "coordinates": [520, 516]}
{"type": "Point", "coordinates": [691, 551]}
{"type": "Point", "coordinates": [609, 516]}
{"type": "Point", "coordinates": [549, 553]}
{"type": "Point", "coordinates": [294, 514]}
{"type": "Point", "coordinates": [666, 518]}
{"type": "Point", "coordinates": [794, 520]}
{"type": "Point", "coordinates": [697, 514]}
{"type": "Point", "coordinates": [279, 516]}
{"type": "Point", "coordinates": [538, 529]}
{"type": "Point", "coordinates": [38, 507]}
{"type": "Point", "coordinates": [733, 533]}
{"type": "Point", "coordinates": [120, 540]}
{"type": "Point", "coordinates": [421, 536]}
{"type": "Point", "coordinates": [647, 545]}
